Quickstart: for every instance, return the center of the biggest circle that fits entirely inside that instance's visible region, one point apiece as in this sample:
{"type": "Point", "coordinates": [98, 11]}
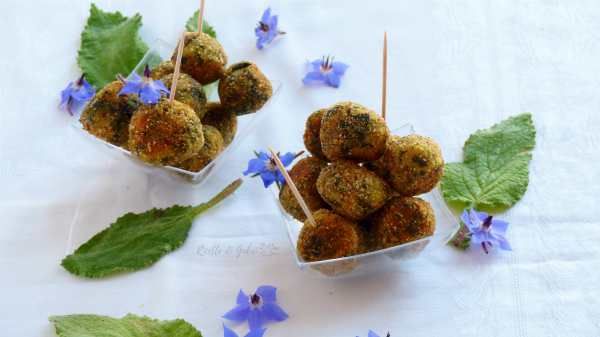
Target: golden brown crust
{"type": "Point", "coordinates": [312, 134]}
{"type": "Point", "coordinates": [332, 237]}
{"type": "Point", "coordinates": [401, 220]}
{"type": "Point", "coordinates": [162, 69]}
{"type": "Point", "coordinates": [213, 145]}
{"type": "Point", "coordinates": [189, 91]}
{"type": "Point", "coordinates": [351, 190]}
{"type": "Point", "coordinates": [224, 120]}
{"type": "Point", "coordinates": [304, 174]}
{"type": "Point", "coordinates": [203, 58]}
{"type": "Point", "coordinates": [244, 88]}
{"type": "Point", "coordinates": [165, 133]}
{"type": "Point", "coordinates": [352, 132]}
{"type": "Point", "coordinates": [412, 164]}
{"type": "Point", "coordinates": [107, 116]}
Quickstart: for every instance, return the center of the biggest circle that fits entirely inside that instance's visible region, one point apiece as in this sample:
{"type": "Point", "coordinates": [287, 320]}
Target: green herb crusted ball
{"type": "Point", "coordinates": [162, 69]}
{"type": "Point", "coordinates": [165, 133]}
{"type": "Point", "coordinates": [203, 58]}
{"type": "Point", "coordinates": [352, 132]}
{"type": "Point", "coordinates": [312, 133]}
{"type": "Point", "coordinates": [401, 220]}
{"type": "Point", "coordinates": [304, 174]}
{"type": "Point", "coordinates": [107, 116]}
{"type": "Point", "coordinates": [412, 164]}
{"type": "Point", "coordinates": [213, 145]}
{"type": "Point", "coordinates": [332, 237]}
{"type": "Point", "coordinates": [224, 120]}
{"type": "Point", "coordinates": [189, 91]}
{"type": "Point", "coordinates": [352, 190]}
{"type": "Point", "coordinates": [244, 89]}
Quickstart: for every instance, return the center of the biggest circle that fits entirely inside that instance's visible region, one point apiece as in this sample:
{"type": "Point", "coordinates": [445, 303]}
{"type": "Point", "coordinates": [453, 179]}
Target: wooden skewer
{"type": "Point", "coordinates": [201, 16]}
{"type": "Point", "coordinates": [384, 84]}
{"type": "Point", "coordinates": [177, 68]}
{"type": "Point", "coordinates": [293, 187]}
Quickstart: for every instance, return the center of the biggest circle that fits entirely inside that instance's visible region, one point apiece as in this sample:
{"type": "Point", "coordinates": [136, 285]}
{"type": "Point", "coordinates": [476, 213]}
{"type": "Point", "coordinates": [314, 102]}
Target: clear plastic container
{"type": "Point", "coordinates": [246, 124]}
{"type": "Point", "coordinates": [446, 225]}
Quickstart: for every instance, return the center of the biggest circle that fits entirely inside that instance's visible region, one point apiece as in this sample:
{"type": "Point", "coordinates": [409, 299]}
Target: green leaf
{"type": "Point", "coordinates": [110, 45]}
{"type": "Point", "coordinates": [495, 171]}
{"type": "Point", "coordinates": [128, 326]}
{"type": "Point", "coordinates": [192, 25]}
{"type": "Point", "coordinates": [136, 241]}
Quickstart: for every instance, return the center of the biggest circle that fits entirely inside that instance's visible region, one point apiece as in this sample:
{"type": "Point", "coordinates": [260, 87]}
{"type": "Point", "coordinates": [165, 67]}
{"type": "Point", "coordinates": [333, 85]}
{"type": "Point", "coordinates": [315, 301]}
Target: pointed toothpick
{"type": "Point", "coordinates": [293, 187]}
{"type": "Point", "coordinates": [384, 84]}
{"type": "Point", "coordinates": [201, 16]}
{"type": "Point", "coordinates": [177, 68]}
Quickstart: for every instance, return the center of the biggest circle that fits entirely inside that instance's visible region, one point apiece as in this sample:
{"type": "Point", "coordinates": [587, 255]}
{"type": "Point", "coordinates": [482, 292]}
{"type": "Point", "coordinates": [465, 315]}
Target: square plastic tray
{"type": "Point", "coordinates": [446, 224]}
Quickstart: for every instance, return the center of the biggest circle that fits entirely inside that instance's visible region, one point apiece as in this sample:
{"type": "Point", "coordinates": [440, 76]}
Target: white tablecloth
{"type": "Point", "coordinates": [455, 66]}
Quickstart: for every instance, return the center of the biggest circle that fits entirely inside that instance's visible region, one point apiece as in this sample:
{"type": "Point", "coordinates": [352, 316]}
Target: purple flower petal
{"type": "Point", "coordinates": [255, 320]}
{"type": "Point", "coordinates": [272, 311]}
{"type": "Point", "coordinates": [287, 158]}
{"type": "Point", "coordinates": [313, 77]}
{"type": "Point", "coordinates": [332, 79]}
{"type": "Point", "coordinates": [242, 298]}
{"type": "Point", "coordinates": [267, 293]}
{"type": "Point", "coordinates": [503, 243]}
{"type": "Point", "coordinates": [238, 314]}
{"type": "Point", "coordinates": [372, 334]}
{"type": "Point", "coordinates": [266, 15]}
{"type": "Point", "coordinates": [256, 333]}
{"type": "Point", "coordinates": [499, 226]}
{"type": "Point", "coordinates": [339, 68]}
{"type": "Point", "coordinates": [255, 165]}
{"type": "Point", "coordinates": [227, 332]}
{"type": "Point", "coordinates": [268, 177]}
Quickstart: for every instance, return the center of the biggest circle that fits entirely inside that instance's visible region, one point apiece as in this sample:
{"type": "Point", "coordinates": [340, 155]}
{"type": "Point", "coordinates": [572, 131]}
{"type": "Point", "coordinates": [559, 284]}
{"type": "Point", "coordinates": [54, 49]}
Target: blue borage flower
{"type": "Point", "coordinates": [258, 308]}
{"type": "Point", "coordinates": [267, 29]}
{"type": "Point", "coordinates": [483, 229]}
{"type": "Point", "coordinates": [265, 167]}
{"type": "Point", "coordinates": [373, 334]}
{"type": "Point", "coordinates": [326, 71]}
{"type": "Point", "coordinates": [227, 332]}
{"type": "Point", "coordinates": [75, 95]}
{"type": "Point", "coordinates": [145, 87]}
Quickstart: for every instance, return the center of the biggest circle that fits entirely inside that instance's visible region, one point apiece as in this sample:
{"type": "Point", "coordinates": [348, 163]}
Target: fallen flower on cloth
{"type": "Point", "coordinates": [227, 332]}
{"type": "Point", "coordinates": [481, 228]}
{"type": "Point", "coordinates": [75, 95]}
{"type": "Point", "coordinates": [145, 87]}
{"type": "Point", "coordinates": [258, 308]}
{"type": "Point", "coordinates": [265, 167]}
{"type": "Point", "coordinates": [267, 29]}
{"type": "Point", "coordinates": [373, 334]}
{"type": "Point", "coordinates": [326, 71]}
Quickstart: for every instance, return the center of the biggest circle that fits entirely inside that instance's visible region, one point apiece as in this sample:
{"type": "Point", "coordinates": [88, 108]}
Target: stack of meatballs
{"type": "Point", "coordinates": [189, 132]}
{"type": "Point", "coordinates": [360, 184]}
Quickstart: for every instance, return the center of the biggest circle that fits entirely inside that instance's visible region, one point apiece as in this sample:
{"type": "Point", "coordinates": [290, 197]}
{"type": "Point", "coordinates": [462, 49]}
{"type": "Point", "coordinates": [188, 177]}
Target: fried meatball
{"type": "Point", "coordinates": [401, 220]}
{"type": "Point", "coordinates": [189, 91]}
{"type": "Point", "coordinates": [351, 131]}
{"type": "Point", "coordinates": [352, 190]}
{"type": "Point", "coordinates": [213, 145]}
{"type": "Point", "coordinates": [304, 174]}
{"type": "Point", "coordinates": [224, 120]}
{"type": "Point", "coordinates": [312, 132]}
{"type": "Point", "coordinates": [244, 89]}
{"type": "Point", "coordinates": [162, 69]}
{"type": "Point", "coordinates": [412, 164]}
{"type": "Point", "coordinates": [203, 57]}
{"type": "Point", "coordinates": [332, 236]}
{"type": "Point", "coordinates": [165, 133]}
{"type": "Point", "coordinates": [107, 116]}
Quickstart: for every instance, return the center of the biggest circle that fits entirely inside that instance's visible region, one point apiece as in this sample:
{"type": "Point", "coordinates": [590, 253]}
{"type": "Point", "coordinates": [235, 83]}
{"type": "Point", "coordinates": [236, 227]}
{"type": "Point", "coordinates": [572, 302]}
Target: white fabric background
{"type": "Point", "coordinates": [455, 66]}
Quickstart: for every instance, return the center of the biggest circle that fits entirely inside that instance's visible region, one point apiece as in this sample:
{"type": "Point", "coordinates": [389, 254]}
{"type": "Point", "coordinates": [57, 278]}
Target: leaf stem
{"type": "Point", "coordinates": [227, 191]}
